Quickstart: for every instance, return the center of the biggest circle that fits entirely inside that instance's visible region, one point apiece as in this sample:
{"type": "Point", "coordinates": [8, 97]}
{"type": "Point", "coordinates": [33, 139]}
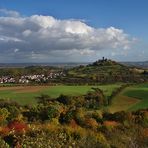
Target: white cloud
{"type": "Point", "coordinates": [87, 52]}
{"type": "Point", "coordinates": [9, 13]}
{"type": "Point", "coordinates": [38, 36]}
{"type": "Point", "coordinates": [8, 39]}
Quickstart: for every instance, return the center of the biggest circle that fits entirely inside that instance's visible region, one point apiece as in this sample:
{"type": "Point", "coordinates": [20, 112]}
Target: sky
{"type": "Point", "coordinates": [73, 30]}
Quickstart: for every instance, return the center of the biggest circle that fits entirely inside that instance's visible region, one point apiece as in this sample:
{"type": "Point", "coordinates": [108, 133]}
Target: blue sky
{"type": "Point", "coordinates": [131, 16]}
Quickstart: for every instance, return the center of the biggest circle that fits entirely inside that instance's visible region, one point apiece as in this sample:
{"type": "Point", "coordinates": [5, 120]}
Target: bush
{"type": "Point", "coordinates": [80, 116]}
{"type": "Point", "coordinates": [67, 117]}
{"type": "Point", "coordinates": [95, 99]}
{"type": "Point", "coordinates": [52, 112]}
{"type": "Point", "coordinates": [4, 113]}
{"type": "Point", "coordinates": [14, 112]}
{"type": "Point", "coordinates": [4, 131]}
{"type": "Point", "coordinates": [118, 116]}
{"type": "Point", "coordinates": [18, 127]}
{"type": "Point", "coordinates": [91, 123]}
{"type": "Point", "coordinates": [3, 144]}
{"type": "Point", "coordinates": [66, 100]}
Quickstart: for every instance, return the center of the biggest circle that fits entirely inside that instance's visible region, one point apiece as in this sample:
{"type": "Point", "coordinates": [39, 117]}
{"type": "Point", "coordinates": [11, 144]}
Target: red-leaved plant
{"type": "Point", "coordinates": [18, 126]}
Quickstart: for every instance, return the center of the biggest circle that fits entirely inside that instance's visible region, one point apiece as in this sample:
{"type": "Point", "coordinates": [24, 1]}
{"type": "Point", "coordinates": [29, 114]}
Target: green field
{"type": "Point", "coordinates": [26, 94]}
{"type": "Point", "coordinates": [131, 98]}
{"type": "Point", "coordinates": [139, 92]}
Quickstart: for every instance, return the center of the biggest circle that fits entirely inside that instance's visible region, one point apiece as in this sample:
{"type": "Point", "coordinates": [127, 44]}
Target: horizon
{"type": "Point", "coordinates": [70, 62]}
{"type": "Point", "coordinates": [73, 32]}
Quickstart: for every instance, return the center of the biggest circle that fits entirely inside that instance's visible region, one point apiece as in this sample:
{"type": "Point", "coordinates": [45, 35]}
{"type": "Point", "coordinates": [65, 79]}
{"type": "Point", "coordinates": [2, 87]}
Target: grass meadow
{"type": "Point", "coordinates": [139, 92]}
{"type": "Point", "coordinates": [131, 98]}
{"type": "Point", "coordinates": [27, 94]}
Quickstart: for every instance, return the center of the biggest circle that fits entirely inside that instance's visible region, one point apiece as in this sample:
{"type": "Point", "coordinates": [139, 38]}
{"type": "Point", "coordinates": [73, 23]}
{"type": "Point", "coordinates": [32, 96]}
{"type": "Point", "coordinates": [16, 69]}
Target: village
{"type": "Point", "coordinates": [25, 79]}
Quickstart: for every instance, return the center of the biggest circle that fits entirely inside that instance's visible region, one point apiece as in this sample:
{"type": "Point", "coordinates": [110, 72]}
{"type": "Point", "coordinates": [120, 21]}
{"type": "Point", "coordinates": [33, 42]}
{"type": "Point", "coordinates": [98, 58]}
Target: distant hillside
{"type": "Point", "coordinates": [105, 70]}
{"type": "Point", "coordinates": [143, 64]}
{"type": "Point", "coordinates": [101, 71]}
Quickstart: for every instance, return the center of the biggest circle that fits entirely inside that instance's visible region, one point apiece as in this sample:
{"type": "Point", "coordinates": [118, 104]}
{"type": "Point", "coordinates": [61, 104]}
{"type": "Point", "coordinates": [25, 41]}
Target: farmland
{"type": "Point", "coordinates": [26, 94]}
{"type": "Point", "coordinates": [139, 92]}
{"type": "Point", "coordinates": [131, 98]}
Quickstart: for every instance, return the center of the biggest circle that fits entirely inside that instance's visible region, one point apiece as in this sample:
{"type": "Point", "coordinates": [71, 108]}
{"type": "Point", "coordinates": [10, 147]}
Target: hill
{"type": "Point", "coordinates": [101, 71]}
{"type": "Point", "coordinates": [142, 64]}
{"type": "Point", "coordinates": [105, 71]}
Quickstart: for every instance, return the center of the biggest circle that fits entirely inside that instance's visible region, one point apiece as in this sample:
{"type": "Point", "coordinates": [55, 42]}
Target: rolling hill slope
{"type": "Point", "coordinates": [105, 71]}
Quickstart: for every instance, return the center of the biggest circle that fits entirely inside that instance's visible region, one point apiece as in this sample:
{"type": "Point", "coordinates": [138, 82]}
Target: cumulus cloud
{"type": "Point", "coordinates": [6, 12]}
{"type": "Point", "coordinates": [37, 36]}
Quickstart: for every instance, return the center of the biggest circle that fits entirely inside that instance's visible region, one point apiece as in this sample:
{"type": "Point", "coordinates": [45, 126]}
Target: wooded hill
{"type": "Point", "coordinates": [106, 71]}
